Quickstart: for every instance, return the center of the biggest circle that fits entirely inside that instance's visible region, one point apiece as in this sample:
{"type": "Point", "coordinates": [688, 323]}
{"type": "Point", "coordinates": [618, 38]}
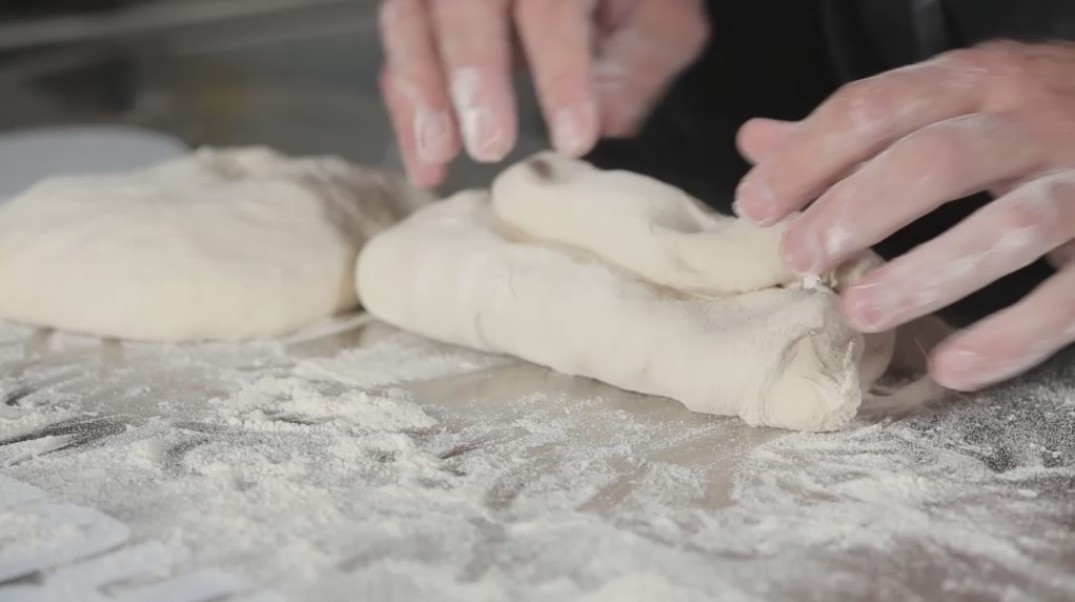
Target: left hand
{"type": "Point", "coordinates": [598, 67]}
{"type": "Point", "coordinates": [884, 151]}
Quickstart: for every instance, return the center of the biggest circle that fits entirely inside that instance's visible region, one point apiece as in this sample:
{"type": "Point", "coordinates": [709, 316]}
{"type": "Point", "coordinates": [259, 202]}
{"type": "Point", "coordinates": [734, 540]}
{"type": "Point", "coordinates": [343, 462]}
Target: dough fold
{"type": "Point", "coordinates": [641, 224]}
{"type": "Point", "coordinates": [628, 281]}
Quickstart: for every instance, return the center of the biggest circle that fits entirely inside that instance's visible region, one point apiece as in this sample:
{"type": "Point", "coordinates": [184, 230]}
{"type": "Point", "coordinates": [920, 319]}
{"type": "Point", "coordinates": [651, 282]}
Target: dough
{"type": "Point", "coordinates": [641, 224]}
{"type": "Point", "coordinates": [221, 244]}
{"type": "Point", "coordinates": [566, 288]}
{"type": "Point", "coordinates": [660, 233]}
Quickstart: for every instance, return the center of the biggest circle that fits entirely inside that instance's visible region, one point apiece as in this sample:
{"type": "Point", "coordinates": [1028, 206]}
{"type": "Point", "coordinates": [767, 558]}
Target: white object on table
{"type": "Point", "coordinates": [29, 156]}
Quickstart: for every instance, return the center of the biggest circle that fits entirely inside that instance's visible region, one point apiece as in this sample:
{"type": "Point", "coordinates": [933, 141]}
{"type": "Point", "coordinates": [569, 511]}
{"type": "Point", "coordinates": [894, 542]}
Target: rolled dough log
{"type": "Point", "coordinates": [460, 273]}
{"type": "Point", "coordinates": [221, 245]}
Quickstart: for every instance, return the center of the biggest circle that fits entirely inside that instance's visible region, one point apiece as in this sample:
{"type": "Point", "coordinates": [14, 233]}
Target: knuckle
{"type": "Point", "coordinates": [867, 104]}
{"type": "Point", "coordinates": [1010, 70]}
{"type": "Point", "coordinates": [1032, 209]}
{"type": "Point", "coordinates": [1048, 116]}
{"type": "Point", "coordinates": [965, 59]}
{"type": "Point", "coordinates": [1025, 214]}
{"type": "Point", "coordinates": [935, 150]}
{"type": "Point", "coordinates": [997, 58]}
{"type": "Point", "coordinates": [1060, 205]}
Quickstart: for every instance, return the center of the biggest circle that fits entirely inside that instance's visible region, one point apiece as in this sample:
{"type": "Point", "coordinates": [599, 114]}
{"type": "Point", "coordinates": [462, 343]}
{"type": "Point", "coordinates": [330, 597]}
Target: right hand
{"type": "Point", "coordinates": [598, 67]}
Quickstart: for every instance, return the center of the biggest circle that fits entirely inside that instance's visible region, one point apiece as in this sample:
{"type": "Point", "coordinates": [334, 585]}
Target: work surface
{"type": "Point", "coordinates": [354, 462]}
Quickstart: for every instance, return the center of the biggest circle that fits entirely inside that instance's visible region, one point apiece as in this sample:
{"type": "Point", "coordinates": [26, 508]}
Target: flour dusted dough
{"type": "Point", "coordinates": [565, 288]}
{"type": "Point", "coordinates": [640, 224]}
{"type": "Point", "coordinates": [222, 244]}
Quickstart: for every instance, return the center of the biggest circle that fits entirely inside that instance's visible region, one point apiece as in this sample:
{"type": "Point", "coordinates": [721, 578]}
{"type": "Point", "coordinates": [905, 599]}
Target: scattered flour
{"type": "Point", "coordinates": [367, 464]}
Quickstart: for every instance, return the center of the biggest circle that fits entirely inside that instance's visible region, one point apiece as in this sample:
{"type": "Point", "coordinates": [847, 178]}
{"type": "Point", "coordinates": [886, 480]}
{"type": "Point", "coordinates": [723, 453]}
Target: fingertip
{"type": "Point", "coordinates": [760, 137]}
{"type": "Point", "coordinates": [420, 173]}
{"type": "Point", "coordinates": [485, 114]}
{"type": "Point", "coordinates": [427, 177]}
{"type": "Point", "coordinates": [574, 129]}
{"type": "Point", "coordinates": [435, 136]}
{"type": "Point", "coordinates": [959, 368]}
{"type": "Point", "coordinates": [484, 136]}
{"type": "Point", "coordinates": [755, 200]}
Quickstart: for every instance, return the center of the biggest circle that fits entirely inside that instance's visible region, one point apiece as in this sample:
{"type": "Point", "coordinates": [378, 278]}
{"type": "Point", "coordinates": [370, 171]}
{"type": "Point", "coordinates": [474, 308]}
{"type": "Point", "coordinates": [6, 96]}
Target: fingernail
{"type": "Point", "coordinates": [754, 200]}
{"type": "Point", "coordinates": [482, 133]}
{"type": "Point", "coordinates": [433, 130]}
{"type": "Point", "coordinates": [571, 127]}
{"type": "Point", "coordinates": [802, 253]}
{"type": "Point", "coordinates": [868, 307]}
{"type": "Point", "coordinates": [962, 369]}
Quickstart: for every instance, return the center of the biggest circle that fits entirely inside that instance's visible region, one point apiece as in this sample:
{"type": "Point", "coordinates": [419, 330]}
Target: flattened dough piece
{"type": "Point", "coordinates": [456, 273]}
{"type": "Point", "coordinates": [641, 224]}
{"type": "Point", "coordinates": [219, 245]}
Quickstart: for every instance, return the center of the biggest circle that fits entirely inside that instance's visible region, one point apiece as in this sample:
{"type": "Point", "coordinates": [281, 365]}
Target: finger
{"type": "Point", "coordinates": [612, 14]}
{"type": "Point", "coordinates": [1002, 237]}
{"type": "Point", "coordinates": [400, 112]}
{"type": "Point", "coordinates": [658, 40]}
{"type": "Point", "coordinates": [561, 68]}
{"type": "Point", "coordinates": [1012, 341]}
{"type": "Point", "coordinates": [758, 138]}
{"type": "Point", "coordinates": [853, 125]}
{"type": "Point", "coordinates": [420, 94]}
{"type": "Point", "coordinates": [1062, 255]}
{"type": "Point", "coordinates": [475, 44]}
{"type": "Point", "coordinates": [932, 166]}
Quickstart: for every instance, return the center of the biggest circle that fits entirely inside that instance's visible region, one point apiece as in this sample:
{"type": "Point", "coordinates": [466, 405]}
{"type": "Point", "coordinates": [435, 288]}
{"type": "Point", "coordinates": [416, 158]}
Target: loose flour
{"type": "Point", "coordinates": [360, 463]}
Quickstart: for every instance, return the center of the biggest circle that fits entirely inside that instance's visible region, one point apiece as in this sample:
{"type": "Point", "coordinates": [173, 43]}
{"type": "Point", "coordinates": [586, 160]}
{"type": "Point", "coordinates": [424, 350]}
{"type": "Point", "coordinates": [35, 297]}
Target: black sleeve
{"type": "Point", "coordinates": [766, 58]}
{"type": "Point", "coordinates": [773, 58]}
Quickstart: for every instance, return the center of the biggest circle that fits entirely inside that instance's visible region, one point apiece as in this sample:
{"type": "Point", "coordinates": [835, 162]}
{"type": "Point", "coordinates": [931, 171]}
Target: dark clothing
{"type": "Point", "coordinates": [20, 8]}
{"type": "Point", "coordinates": [781, 58]}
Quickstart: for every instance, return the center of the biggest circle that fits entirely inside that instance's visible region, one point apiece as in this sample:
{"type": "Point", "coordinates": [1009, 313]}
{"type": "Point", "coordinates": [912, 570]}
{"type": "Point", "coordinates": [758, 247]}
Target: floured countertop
{"type": "Point", "coordinates": [355, 462]}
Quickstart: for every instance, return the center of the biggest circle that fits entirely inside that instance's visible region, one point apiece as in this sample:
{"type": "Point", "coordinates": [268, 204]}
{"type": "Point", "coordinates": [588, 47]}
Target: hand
{"type": "Point", "coordinates": [598, 66]}
{"type": "Point", "coordinates": [882, 152]}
